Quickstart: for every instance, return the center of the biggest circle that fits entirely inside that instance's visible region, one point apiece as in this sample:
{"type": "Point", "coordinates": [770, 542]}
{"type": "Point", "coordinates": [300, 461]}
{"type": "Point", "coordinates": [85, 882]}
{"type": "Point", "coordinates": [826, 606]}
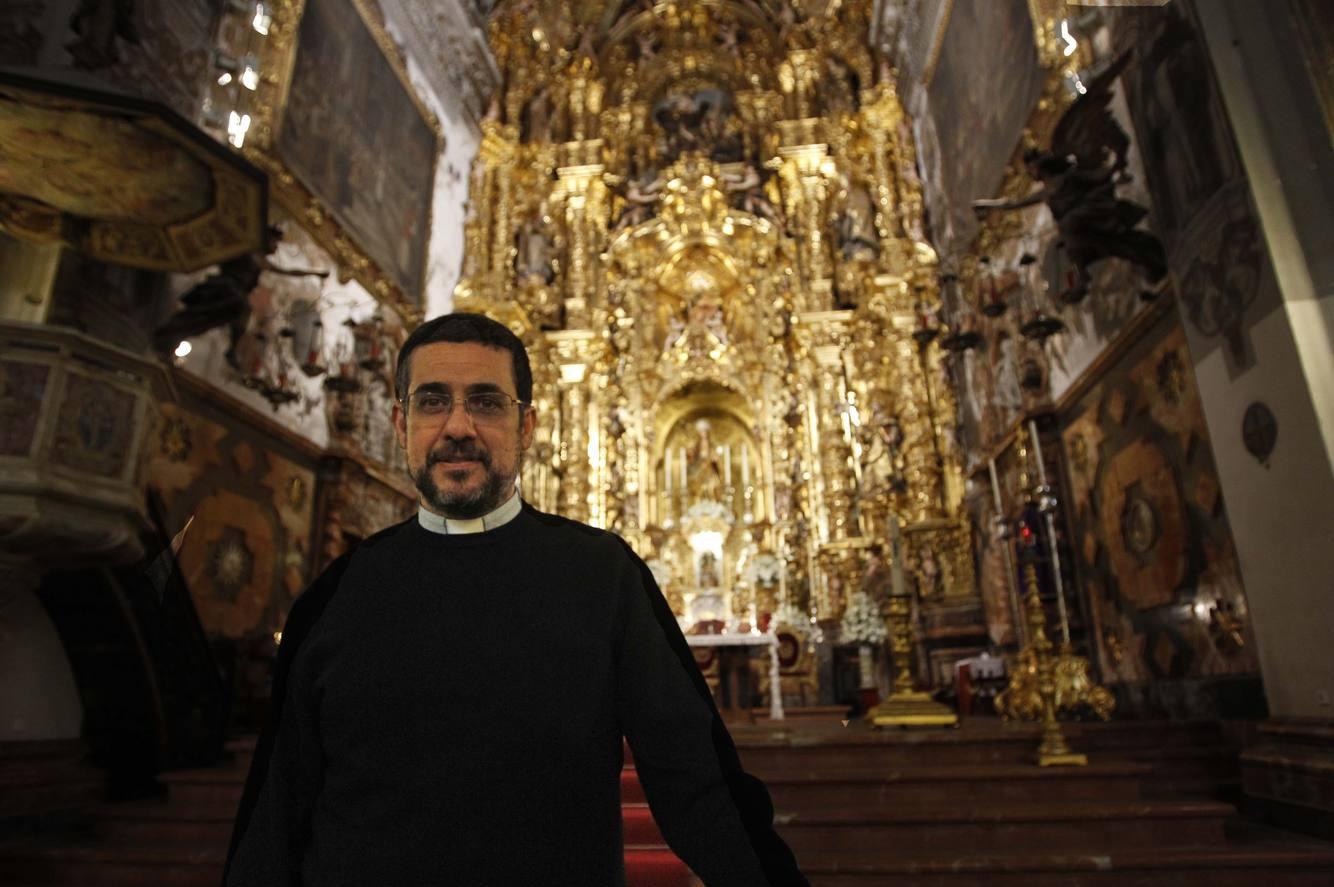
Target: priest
{"type": "Point", "coordinates": [450, 696]}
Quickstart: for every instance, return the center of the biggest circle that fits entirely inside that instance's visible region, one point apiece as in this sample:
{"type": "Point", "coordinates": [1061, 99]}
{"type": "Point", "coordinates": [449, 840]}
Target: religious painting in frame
{"type": "Point", "coordinates": [350, 145]}
{"type": "Point", "coordinates": [980, 98]}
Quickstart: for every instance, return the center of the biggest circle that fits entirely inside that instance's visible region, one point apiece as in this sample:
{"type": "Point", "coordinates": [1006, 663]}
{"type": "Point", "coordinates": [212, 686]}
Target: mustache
{"type": "Point", "coordinates": [458, 452]}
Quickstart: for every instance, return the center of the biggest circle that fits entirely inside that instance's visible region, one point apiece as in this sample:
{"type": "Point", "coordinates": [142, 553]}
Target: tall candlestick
{"type": "Point", "coordinates": [685, 482]}
{"type": "Point", "coordinates": [727, 466]}
{"type": "Point", "coordinates": [745, 466]}
{"type": "Point", "coordinates": [667, 472]}
{"type": "Point", "coordinates": [896, 551]}
{"type": "Point", "coordinates": [1020, 626]}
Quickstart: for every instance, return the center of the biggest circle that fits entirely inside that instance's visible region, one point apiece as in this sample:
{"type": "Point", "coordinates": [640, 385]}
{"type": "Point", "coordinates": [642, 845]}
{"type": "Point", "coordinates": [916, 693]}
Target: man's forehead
{"type": "Point", "coordinates": [461, 363]}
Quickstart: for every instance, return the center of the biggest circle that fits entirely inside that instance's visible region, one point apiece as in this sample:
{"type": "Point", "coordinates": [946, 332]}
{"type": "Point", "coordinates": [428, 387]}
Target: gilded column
{"type": "Point", "coordinates": [498, 150]}
{"type": "Point", "coordinates": [922, 464]}
{"type": "Point", "coordinates": [573, 353]}
{"type": "Point", "coordinates": [804, 175]}
{"type": "Point", "coordinates": [825, 336]}
{"type": "Point", "coordinates": [582, 188]}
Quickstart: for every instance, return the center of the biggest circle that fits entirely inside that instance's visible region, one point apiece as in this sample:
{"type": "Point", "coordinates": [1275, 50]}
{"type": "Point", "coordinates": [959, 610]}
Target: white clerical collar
{"type": "Point", "coordinates": [449, 526]}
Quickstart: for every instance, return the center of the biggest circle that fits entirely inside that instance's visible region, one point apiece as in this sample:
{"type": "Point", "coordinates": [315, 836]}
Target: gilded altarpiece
{"type": "Point", "coordinates": [704, 220]}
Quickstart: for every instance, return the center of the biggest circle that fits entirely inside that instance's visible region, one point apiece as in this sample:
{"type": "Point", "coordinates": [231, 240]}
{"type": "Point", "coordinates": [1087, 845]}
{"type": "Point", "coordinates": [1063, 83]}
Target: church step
{"type": "Point", "coordinates": [169, 822]}
{"type": "Point", "coordinates": [794, 792]}
{"type": "Point", "coordinates": [1279, 866]}
{"type": "Point", "coordinates": [60, 865]}
{"type": "Point", "coordinates": [1116, 781]}
{"type": "Point", "coordinates": [1088, 827]}
{"type": "Point", "coordinates": [639, 826]}
{"type": "Point", "coordinates": [980, 742]}
{"type": "Point", "coordinates": [98, 865]}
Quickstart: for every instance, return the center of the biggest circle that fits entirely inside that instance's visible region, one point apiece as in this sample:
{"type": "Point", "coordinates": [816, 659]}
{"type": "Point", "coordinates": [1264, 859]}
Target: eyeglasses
{"type": "Point", "coordinates": [483, 407]}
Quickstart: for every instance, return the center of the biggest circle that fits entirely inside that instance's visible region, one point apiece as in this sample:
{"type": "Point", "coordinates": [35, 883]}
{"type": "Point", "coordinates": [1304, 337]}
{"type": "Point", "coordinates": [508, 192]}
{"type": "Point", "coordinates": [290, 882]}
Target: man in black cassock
{"type": "Point", "coordinates": [450, 696]}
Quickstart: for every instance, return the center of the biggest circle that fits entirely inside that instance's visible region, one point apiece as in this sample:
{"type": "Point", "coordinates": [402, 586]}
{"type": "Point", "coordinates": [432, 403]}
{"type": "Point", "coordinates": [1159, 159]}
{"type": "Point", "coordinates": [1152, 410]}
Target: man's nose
{"type": "Point", "coordinates": [459, 423]}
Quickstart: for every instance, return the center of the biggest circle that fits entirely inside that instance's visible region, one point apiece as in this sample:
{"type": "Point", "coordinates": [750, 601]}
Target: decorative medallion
{"type": "Point", "coordinates": [1259, 432]}
{"type": "Point", "coordinates": [1170, 376]}
{"type": "Point", "coordinates": [296, 492]}
{"type": "Point", "coordinates": [22, 386]}
{"type": "Point", "coordinates": [175, 440]}
{"type": "Point", "coordinates": [1139, 525]}
{"type": "Point", "coordinates": [1143, 524]}
{"type": "Point", "coordinates": [94, 427]}
{"type": "Point", "coordinates": [231, 564]}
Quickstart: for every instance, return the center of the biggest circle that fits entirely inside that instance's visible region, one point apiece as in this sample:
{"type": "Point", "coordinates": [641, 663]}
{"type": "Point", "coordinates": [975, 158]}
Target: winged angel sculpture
{"type": "Point", "coordinates": [1079, 173]}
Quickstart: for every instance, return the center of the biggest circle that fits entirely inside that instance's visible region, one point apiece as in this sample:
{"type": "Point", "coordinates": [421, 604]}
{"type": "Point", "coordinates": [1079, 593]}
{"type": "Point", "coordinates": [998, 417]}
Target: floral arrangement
{"type": "Point", "coordinates": [662, 574]}
{"type": "Point", "coordinates": [765, 570]}
{"type": "Point", "coordinates": [790, 614]}
{"type": "Point", "coordinates": [862, 622]}
{"type": "Point", "coordinates": [715, 510]}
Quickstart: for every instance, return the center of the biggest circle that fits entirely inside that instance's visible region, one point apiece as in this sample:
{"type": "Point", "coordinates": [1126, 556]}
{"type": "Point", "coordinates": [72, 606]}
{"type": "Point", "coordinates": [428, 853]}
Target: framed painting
{"type": "Point", "coordinates": [351, 147]}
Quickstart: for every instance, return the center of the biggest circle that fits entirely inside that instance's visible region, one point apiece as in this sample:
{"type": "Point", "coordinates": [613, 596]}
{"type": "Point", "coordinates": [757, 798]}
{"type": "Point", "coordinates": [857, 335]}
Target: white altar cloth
{"type": "Point", "coordinates": [750, 639]}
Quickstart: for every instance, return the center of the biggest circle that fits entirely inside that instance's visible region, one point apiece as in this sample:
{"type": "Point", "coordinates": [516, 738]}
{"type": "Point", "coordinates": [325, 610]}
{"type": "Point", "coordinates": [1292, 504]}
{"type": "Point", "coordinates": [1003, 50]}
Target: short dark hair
{"type": "Point", "coordinates": [465, 327]}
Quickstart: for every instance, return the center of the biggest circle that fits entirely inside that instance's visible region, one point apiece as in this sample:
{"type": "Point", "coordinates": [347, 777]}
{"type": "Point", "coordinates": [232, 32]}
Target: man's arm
{"type": "Point", "coordinates": [714, 815]}
{"type": "Point", "coordinates": [272, 823]}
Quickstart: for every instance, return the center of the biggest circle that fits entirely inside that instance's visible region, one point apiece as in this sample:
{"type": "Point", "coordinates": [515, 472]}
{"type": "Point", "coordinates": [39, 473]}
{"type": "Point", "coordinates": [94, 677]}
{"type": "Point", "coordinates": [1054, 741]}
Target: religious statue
{"type": "Point", "coordinates": [708, 570]}
{"type": "Point", "coordinates": [928, 573]}
{"type": "Point", "coordinates": [747, 191]}
{"type": "Point", "coordinates": [692, 121]}
{"type": "Point", "coordinates": [223, 298]}
{"type": "Point", "coordinates": [706, 477]}
{"type": "Point", "coordinates": [1079, 174]}
{"type": "Point", "coordinates": [839, 90]}
{"type": "Point", "coordinates": [857, 239]}
{"type": "Point", "coordinates": [535, 118]}
{"type": "Point", "coordinates": [98, 24]}
{"type": "Point", "coordinates": [883, 461]}
{"type": "Point", "coordinates": [641, 196]}
{"type": "Point", "coordinates": [533, 253]}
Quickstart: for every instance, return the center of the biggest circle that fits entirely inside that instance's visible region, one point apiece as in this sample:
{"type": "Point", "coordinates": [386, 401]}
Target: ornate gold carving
{"type": "Point", "coordinates": [711, 224]}
{"type": "Point", "coordinates": [135, 186]}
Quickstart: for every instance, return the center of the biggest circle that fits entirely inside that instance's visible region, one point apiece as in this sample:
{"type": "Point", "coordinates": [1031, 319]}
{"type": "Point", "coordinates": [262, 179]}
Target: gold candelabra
{"type": "Point", "coordinates": [906, 706]}
{"type": "Point", "coordinates": [1053, 750]}
{"type": "Point", "coordinates": [1076, 690]}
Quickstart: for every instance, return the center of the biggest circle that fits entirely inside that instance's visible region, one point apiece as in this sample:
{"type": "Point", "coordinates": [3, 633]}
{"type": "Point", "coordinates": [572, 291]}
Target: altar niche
{"type": "Point", "coordinates": [707, 507]}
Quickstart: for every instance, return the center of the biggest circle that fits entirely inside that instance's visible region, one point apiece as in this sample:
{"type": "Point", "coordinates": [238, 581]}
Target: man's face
{"type": "Point", "coordinates": [463, 467]}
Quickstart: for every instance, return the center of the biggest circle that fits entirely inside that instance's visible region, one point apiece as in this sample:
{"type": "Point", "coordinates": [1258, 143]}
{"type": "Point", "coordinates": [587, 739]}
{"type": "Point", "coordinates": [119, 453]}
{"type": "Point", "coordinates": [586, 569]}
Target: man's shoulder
{"type": "Point", "coordinates": [331, 576]}
{"type": "Point", "coordinates": [566, 531]}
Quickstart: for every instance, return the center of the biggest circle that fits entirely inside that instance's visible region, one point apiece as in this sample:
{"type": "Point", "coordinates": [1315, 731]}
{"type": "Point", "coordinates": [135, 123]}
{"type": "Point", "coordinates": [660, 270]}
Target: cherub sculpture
{"type": "Point", "coordinates": [223, 298]}
{"type": "Point", "coordinates": [1079, 173]}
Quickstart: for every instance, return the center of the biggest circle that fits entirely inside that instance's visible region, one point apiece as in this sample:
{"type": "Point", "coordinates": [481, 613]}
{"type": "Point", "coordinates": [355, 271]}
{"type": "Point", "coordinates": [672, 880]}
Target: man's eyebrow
{"type": "Point", "coordinates": [442, 388]}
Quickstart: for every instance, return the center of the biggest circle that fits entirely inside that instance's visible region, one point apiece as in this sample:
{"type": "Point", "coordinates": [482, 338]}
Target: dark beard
{"type": "Point", "coordinates": [488, 497]}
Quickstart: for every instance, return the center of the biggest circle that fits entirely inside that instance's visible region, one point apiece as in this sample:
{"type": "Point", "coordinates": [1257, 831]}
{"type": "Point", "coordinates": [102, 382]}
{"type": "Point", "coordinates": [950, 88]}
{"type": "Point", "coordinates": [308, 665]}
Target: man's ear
{"type": "Point", "coordinates": [527, 426]}
{"type": "Point", "coordinates": [400, 425]}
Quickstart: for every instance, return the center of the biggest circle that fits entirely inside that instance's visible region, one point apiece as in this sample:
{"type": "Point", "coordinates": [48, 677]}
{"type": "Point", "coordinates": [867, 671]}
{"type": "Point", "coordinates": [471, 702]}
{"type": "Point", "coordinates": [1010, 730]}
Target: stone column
{"type": "Point", "coordinates": [39, 698]}
{"type": "Point", "coordinates": [1280, 509]}
{"type": "Point", "coordinates": [27, 273]}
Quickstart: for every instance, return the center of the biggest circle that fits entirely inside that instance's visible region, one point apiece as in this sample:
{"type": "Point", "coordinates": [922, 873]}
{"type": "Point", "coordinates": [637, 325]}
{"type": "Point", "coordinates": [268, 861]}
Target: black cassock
{"type": "Point", "coordinates": [449, 710]}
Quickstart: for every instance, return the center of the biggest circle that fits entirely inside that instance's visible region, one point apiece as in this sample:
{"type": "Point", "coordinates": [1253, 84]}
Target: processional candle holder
{"type": "Point", "coordinates": [312, 364]}
{"type": "Point", "coordinates": [963, 335]}
{"type": "Point", "coordinates": [1053, 750]}
{"type": "Point", "coordinates": [989, 296]}
{"type": "Point", "coordinates": [1037, 325]}
{"type": "Point", "coordinates": [927, 329]}
{"type": "Point", "coordinates": [1003, 533]}
{"type": "Point", "coordinates": [906, 706]}
{"type": "Point", "coordinates": [1076, 687]}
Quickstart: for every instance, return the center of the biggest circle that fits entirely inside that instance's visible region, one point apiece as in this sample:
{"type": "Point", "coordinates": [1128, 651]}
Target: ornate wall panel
{"type": "Point", "coordinates": [248, 553]}
{"type": "Point", "coordinates": [1151, 533]}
